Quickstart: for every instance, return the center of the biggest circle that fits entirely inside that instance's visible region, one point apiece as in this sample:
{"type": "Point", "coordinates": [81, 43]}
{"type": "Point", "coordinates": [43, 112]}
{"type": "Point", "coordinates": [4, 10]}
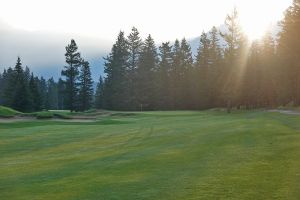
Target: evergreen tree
{"type": "Point", "coordinates": [71, 73]}
{"type": "Point", "coordinates": [1, 88]}
{"type": "Point", "coordinates": [251, 85]}
{"type": "Point", "coordinates": [99, 96]}
{"type": "Point", "coordinates": [35, 94]}
{"type": "Point", "coordinates": [27, 74]}
{"type": "Point", "coordinates": [42, 88]}
{"type": "Point", "coordinates": [86, 87]}
{"type": "Point", "coordinates": [21, 97]}
{"type": "Point", "coordinates": [52, 95]}
{"type": "Point", "coordinates": [215, 71]}
{"type": "Point", "coordinates": [288, 52]}
{"type": "Point", "coordinates": [269, 76]}
{"type": "Point", "coordinates": [115, 69]}
{"type": "Point", "coordinates": [61, 94]}
{"type": "Point", "coordinates": [203, 53]}
{"type": "Point", "coordinates": [203, 64]}
{"type": "Point", "coordinates": [145, 74]}
{"type": "Point", "coordinates": [186, 69]}
{"type": "Point", "coordinates": [134, 50]}
{"type": "Point", "coordinates": [176, 75]}
{"type": "Point", "coordinates": [8, 87]}
{"type": "Point", "coordinates": [234, 57]}
{"type": "Point", "coordinates": [163, 83]}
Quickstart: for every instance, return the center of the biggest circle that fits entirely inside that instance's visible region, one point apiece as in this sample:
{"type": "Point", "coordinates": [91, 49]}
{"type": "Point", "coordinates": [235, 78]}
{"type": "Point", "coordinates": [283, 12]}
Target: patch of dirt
{"type": "Point", "coordinates": [16, 119]}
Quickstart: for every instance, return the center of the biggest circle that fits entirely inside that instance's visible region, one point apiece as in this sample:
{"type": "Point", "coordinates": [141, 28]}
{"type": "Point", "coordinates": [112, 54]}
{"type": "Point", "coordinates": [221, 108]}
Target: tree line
{"type": "Point", "coordinates": [21, 90]}
{"type": "Point", "coordinates": [227, 71]}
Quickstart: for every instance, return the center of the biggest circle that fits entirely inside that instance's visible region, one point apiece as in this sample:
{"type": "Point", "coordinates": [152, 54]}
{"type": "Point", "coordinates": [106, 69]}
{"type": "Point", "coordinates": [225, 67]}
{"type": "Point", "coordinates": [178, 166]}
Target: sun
{"type": "Point", "coordinates": [256, 17]}
{"type": "Point", "coordinates": [255, 31]}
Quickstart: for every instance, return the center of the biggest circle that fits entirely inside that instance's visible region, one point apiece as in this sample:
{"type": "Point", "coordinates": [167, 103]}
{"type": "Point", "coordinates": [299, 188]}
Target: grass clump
{"type": "Point", "coordinates": [8, 112]}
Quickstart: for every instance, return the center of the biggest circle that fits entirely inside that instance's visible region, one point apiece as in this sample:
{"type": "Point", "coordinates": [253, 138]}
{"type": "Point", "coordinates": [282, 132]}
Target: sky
{"type": "Point", "coordinates": [164, 19]}
{"type": "Point", "coordinates": [38, 30]}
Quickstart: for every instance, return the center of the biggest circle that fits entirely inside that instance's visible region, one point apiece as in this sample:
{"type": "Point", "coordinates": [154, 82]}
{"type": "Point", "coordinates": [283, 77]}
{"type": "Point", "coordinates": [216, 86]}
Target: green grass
{"type": "Point", "coordinates": [44, 115]}
{"type": "Point", "coordinates": [49, 114]}
{"type": "Point", "coordinates": [153, 155]}
{"type": "Point", "coordinates": [7, 112]}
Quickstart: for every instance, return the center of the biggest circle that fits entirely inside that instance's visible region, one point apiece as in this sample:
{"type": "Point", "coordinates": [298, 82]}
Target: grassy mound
{"type": "Point", "coordinates": [7, 112]}
{"type": "Point", "coordinates": [51, 114]}
{"type": "Point", "coordinates": [44, 115]}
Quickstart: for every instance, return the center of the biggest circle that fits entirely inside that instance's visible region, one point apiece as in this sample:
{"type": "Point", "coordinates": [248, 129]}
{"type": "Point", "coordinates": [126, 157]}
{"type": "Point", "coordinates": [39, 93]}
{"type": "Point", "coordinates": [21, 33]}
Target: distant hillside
{"type": "Point", "coordinates": [44, 53]}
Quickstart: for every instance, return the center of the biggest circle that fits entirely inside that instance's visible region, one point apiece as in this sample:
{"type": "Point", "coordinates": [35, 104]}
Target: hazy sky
{"type": "Point", "coordinates": [39, 30]}
{"type": "Point", "coordinates": [164, 19]}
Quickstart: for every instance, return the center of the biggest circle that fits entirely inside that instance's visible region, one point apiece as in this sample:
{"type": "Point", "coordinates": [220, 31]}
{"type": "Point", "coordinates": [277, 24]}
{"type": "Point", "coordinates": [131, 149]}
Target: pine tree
{"type": "Point", "coordinates": [269, 76]}
{"type": "Point", "coordinates": [71, 73]}
{"type": "Point", "coordinates": [145, 74]}
{"type": "Point", "coordinates": [202, 67]}
{"type": "Point", "coordinates": [99, 96]}
{"type": "Point", "coordinates": [234, 57]}
{"type": "Point", "coordinates": [61, 94]}
{"type": "Point", "coordinates": [8, 87]}
{"type": "Point", "coordinates": [86, 87]}
{"type": "Point", "coordinates": [215, 50]}
{"type": "Point", "coordinates": [163, 83]}
{"type": "Point", "coordinates": [21, 98]}
{"type": "Point", "coordinates": [35, 94]}
{"type": "Point", "coordinates": [115, 69]}
{"type": "Point", "coordinates": [42, 88]}
{"type": "Point", "coordinates": [203, 53]}
{"type": "Point", "coordinates": [27, 74]}
{"type": "Point", "coordinates": [52, 95]}
{"type": "Point", "coordinates": [288, 51]}
{"type": "Point", "coordinates": [251, 84]}
{"type": "Point", "coordinates": [176, 75]}
{"type": "Point", "coordinates": [186, 69]}
{"type": "Point", "coordinates": [134, 50]}
{"type": "Point", "coordinates": [215, 71]}
{"type": "Point", "coordinates": [1, 88]}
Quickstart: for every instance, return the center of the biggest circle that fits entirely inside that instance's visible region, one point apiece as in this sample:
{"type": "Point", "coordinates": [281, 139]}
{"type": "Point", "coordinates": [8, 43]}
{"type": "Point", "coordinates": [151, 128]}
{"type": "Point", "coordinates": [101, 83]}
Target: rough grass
{"type": "Point", "coordinates": [7, 112]}
{"type": "Point", "coordinates": [153, 155]}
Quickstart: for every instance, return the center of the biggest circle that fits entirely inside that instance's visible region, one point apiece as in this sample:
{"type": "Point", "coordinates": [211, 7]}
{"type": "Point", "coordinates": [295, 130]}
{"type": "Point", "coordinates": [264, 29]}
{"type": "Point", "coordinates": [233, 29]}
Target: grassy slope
{"type": "Point", "coordinates": [155, 155]}
{"type": "Point", "coordinates": [7, 112]}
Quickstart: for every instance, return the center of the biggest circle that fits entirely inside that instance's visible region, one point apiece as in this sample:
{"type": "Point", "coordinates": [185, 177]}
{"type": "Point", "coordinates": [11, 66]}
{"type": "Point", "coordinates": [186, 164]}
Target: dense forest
{"type": "Point", "coordinates": [227, 71]}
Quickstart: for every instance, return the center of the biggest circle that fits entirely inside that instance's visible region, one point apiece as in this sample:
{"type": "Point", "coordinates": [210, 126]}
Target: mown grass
{"type": "Point", "coordinates": [153, 155]}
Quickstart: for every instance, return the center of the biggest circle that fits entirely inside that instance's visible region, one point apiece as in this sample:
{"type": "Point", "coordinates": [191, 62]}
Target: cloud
{"type": "Point", "coordinates": [44, 52]}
